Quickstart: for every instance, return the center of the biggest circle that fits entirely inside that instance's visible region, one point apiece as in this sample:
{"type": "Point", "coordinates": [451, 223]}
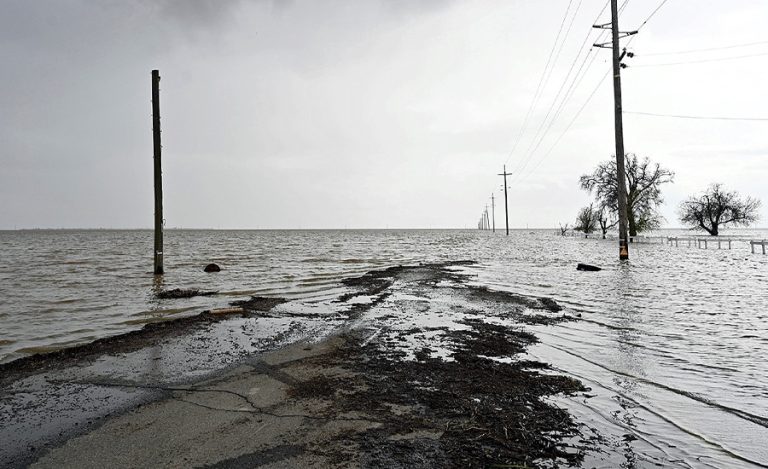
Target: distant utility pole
{"type": "Point", "coordinates": [487, 220]}
{"type": "Point", "coordinates": [493, 212]}
{"type": "Point", "coordinates": [618, 126]}
{"type": "Point", "coordinates": [158, 173]}
{"type": "Point", "coordinates": [506, 205]}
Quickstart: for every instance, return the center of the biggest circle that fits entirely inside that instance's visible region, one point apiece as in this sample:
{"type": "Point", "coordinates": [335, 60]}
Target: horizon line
{"type": "Point", "coordinates": [317, 229]}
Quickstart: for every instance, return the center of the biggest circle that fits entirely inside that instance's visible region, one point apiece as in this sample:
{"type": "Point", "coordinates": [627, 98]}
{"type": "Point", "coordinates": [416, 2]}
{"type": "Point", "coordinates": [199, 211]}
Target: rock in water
{"type": "Point", "coordinates": [212, 268]}
{"type": "Point", "coordinates": [588, 268]}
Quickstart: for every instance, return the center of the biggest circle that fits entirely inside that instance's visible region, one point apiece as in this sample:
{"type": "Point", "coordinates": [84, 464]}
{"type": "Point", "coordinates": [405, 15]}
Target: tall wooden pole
{"type": "Point", "coordinates": [493, 212]}
{"type": "Point", "coordinates": [619, 129]}
{"type": "Point", "coordinates": [158, 253]}
{"type": "Point", "coordinates": [506, 205]}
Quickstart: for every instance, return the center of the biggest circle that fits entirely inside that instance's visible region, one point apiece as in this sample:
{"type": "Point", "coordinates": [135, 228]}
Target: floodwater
{"type": "Point", "coordinates": [674, 344]}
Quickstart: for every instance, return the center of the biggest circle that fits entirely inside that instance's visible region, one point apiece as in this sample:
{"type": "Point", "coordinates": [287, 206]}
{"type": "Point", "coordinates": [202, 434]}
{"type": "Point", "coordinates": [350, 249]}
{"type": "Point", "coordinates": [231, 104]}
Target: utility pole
{"type": "Point", "coordinates": [158, 253]}
{"type": "Point", "coordinates": [487, 221]}
{"type": "Point", "coordinates": [493, 212]}
{"type": "Point", "coordinates": [506, 205]}
{"type": "Point", "coordinates": [619, 125]}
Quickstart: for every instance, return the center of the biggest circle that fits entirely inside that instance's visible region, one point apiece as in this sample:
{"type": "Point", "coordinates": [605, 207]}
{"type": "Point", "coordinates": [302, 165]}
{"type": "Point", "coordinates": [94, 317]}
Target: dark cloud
{"type": "Point", "coordinates": [354, 112]}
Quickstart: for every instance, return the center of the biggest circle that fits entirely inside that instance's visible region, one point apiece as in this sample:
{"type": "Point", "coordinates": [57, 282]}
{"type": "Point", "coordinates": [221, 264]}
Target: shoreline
{"type": "Point", "coordinates": [424, 368]}
{"type": "Point", "coordinates": [129, 341]}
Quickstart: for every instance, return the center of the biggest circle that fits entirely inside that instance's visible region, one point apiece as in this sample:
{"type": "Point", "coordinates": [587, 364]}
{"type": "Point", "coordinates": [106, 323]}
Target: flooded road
{"type": "Point", "coordinates": [674, 345]}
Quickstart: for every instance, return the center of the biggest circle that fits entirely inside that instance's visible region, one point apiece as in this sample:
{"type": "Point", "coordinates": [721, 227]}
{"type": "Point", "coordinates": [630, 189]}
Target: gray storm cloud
{"type": "Point", "coordinates": [348, 113]}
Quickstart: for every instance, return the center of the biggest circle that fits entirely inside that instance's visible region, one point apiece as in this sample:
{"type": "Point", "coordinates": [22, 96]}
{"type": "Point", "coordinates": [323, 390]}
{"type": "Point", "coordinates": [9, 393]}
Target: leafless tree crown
{"type": "Point", "coordinates": [717, 208]}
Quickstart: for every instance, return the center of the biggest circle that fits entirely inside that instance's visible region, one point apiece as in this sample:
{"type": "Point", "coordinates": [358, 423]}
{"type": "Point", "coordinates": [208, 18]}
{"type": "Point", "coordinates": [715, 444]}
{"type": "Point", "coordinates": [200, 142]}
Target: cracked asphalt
{"type": "Point", "coordinates": [338, 391]}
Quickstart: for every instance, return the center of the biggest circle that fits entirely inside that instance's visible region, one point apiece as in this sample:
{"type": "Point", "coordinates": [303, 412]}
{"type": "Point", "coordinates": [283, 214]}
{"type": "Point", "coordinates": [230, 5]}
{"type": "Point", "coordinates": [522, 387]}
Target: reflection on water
{"type": "Point", "coordinates": [65, 287]}
{"type": "Point", "coordinates": [673, 344]}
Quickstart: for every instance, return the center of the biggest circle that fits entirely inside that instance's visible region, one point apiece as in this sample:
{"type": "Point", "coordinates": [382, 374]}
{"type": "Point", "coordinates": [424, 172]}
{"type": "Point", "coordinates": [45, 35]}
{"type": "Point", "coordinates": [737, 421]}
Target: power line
{"type": "Point", "coordinates": [568, 96]}
{"type": "Point", "coordinates": [709, 49]}
{"type": "Point", "coordinates": [652, 14]}
{"type": "Point", "coordinates": [594, 91]}
{"type": "Point", "coordinates": [579, 77]}
{"type": "Point", "coordinates": [570, 124]}
{"type": "Point", "coordinates": [557, 39]}
{"type": "Point", "coordinates": [565, 38]}
{"type": "Point", "coordinates": [534, 101]}
{"type": "Point", "coordinates": [539, 87]}
{"type": "Point", "coordinates": [721, 59]}
{"type": "Point", "coordinates": [570, 92]}
{"type": "Point", "coordinates": [574, 84]}
{"type": "Point", "coordinates": [540, 137]}
{"type": "Point", "coordinates": [678, 116]}
{"type": "Point", "coordinates": [526, 158]}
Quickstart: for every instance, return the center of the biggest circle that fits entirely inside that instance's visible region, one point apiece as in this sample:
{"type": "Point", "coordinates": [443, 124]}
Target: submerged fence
{"type": "Point", "coordinates": [706, 241]}
{"type": "Point", "coordinates": [757, 242]}
{"type": "Point", "coordinates": [701, 242]}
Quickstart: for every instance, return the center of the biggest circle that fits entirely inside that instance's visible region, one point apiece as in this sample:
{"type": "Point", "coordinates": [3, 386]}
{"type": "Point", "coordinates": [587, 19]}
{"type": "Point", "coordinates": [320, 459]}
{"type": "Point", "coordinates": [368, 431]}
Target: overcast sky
{"type": "Point", "coordinates": [359, 114]}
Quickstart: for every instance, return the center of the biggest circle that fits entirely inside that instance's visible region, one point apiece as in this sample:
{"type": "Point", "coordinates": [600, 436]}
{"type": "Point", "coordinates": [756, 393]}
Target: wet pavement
{"type": "Point", "coordinates": [48, 400]}
{"type": "Point", "coordinates": [439, 353]}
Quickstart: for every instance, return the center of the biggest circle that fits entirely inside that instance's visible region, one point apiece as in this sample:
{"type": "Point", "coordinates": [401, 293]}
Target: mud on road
{"type": "Point", "coordinates": [446, 393]}
{"type": "Point", "coordinates": [426, 370]}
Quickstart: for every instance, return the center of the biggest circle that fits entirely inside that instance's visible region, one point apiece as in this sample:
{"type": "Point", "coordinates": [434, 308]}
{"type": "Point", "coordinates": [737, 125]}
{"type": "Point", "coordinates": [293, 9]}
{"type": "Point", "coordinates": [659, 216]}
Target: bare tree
{"type": "Point", "coordinates": [716, 208]}
{"type": "Point", "coordinates": [644, 180]}
{"type": "Point", "coordinates": [605, 220]}
{"type": "Point", "coordinates": [586, 220]}
{"type": "Point", "coordinates": [564, 229]}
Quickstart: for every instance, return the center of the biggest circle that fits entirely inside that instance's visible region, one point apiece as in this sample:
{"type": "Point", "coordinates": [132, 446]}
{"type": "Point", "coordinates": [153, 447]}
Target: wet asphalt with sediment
{"type": "Point", "coordinates": [414, 367]}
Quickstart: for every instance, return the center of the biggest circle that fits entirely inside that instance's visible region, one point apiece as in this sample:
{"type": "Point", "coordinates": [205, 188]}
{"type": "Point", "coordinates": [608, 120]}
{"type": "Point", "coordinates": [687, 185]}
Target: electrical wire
{"type": "Point", "coordinates": [577, 82]}
{"type": "Point", "coordinates": [536, 95]}
{"type": "Point", "coordinates": [652, 15]}
{"type": "Point", "coordinates": [691, 62]}
{"type": "Point", "coordinates": [709, 49]}
{"type": "Point", "coordinates": [539, 137]}
{"type": "Point", "coordinates": [623, 6]}
{"type": "Point", "coordinates": [533, 169]}
{"type": "Point", "coordinates": [560, 90]}
{"type": "Point", "coordinates": [562, 43]}
{"type": "Point", "coordinates": [570, 124]}
{"type": "Point", "coordinates": [569, 93]}
{"type": "Point", "coordinates": [678, 116]}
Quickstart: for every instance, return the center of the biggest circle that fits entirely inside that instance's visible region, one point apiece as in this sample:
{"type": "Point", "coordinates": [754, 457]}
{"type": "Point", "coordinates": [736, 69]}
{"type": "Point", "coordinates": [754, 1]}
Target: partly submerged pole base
{"type": "Point", "coordinates": [159, 263]}
{"type": "Point", "coordinates": [623, 250]}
